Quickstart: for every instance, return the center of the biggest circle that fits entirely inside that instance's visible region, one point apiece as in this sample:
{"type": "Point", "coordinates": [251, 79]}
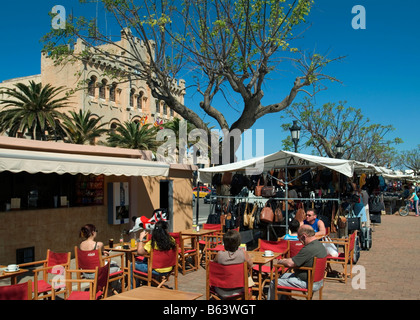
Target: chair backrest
{"type": "Point", "coordinates": [57, 259]}
{"type": "Point", "coordinates": [88, 259]}
{"type": "Point", "coordinates": [295, 247]}
{"type": "Point", "coordinates": [227, 276]}
{"type": "Point", "coordinates": [275, 246]}
{"type": "Point", "coordinates": [20, 291]}
{"type": "Point", "coordinates": [212, 226]}
{"type": "Point", "coordinates": [102, 281]}
{"type": "Point", "coordinates": [320, 265]}
{"type": "Point", "coordinates": [351, 241]}
{"type": "Point", "coordinates": [164, 258]}
{"type": "Point", "coordinates": [177, 237]}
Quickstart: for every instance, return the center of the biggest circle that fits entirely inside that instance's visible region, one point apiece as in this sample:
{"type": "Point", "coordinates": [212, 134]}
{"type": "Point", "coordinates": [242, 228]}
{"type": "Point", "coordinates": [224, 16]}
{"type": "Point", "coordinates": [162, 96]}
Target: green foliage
{"type": "Point", "coordinates": [132, 135]}
{"type": "Point", "coordinates": [83, 127]}
{"type": "Point", "coordinates": [32, 109]}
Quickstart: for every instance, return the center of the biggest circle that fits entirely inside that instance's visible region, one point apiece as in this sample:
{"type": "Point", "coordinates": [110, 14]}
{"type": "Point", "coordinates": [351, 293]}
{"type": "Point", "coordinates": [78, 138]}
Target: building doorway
{"type": "Point", "coordinates": [167, 200]}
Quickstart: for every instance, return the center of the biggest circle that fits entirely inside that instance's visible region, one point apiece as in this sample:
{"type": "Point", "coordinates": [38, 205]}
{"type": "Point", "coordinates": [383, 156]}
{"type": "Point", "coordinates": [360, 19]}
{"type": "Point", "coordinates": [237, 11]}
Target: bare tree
{"type": "Point", "coordinates": [324, 127]}
{"type": "Point", "coordinates": [225, 47]}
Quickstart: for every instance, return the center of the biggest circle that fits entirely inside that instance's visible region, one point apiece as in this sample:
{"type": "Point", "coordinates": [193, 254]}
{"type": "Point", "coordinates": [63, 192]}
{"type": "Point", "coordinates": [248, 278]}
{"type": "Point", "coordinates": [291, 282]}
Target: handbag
{"type": "Point", "coordinates": [268, 191]}
{"type": "Point", "coordinates": [353, 223]}
{"type": "Point", "coordinates": [267, 215]}
{"type": "Point", "coordinates": [329, 246]}
{"type": "Point", "coordinates": [258, 189]}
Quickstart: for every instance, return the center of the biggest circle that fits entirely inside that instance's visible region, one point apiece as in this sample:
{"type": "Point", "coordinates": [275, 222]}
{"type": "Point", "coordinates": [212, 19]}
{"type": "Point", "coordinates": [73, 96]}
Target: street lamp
{"type": "Point", "coordinates": [339, 150]}
{"type": "Point", "coordinates": [295, 132]}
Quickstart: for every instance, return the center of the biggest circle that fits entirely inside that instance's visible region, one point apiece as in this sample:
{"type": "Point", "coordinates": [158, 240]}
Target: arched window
{"type": "Point", "coordinates": [132, 98]}
{"type": "Point", "coordinates": [140, 100]}
{"type": "Point", "coordinates": [112, 92]}
{"type": "Point", "coordinates": [102, 89]}
{"type": "Point", "coordinates": [91, 86]}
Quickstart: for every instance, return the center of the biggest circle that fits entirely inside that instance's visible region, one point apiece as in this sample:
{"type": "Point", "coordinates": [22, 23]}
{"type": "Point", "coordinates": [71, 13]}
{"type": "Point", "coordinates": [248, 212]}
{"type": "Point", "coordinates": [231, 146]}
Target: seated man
{"type": "Point", "coordinates": [317, 224]}
{"type": "Point", "coordinates": [305, 258]}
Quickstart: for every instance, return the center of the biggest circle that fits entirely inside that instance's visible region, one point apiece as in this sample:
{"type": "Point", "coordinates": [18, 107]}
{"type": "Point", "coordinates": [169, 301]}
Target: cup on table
{"type": "Point", "coordinates": [111, 243]}
{"type": "Point", "coordinates": [268, 253]}
{"type": "Point", "coordinates": [12, 267]}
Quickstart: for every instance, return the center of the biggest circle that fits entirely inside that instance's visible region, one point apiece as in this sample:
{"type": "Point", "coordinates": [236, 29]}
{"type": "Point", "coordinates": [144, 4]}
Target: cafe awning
{"type": "Point", "coordinates": [15, 161]}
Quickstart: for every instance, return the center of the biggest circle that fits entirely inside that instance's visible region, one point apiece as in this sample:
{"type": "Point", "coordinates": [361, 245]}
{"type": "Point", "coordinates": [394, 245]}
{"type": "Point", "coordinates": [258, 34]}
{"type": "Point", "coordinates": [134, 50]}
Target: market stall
{"type": "Point", "coordinates": [317, 180]}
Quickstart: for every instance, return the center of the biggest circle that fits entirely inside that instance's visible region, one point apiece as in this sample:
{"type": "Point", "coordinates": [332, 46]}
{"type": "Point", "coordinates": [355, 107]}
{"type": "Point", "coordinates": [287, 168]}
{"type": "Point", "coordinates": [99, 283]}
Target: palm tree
{"type": "Point", "coordinates": [32, 108]}
{"type": "Point", "coordinates": [132, 135]}
{"type": "Point", "coordinates": [83, 127]}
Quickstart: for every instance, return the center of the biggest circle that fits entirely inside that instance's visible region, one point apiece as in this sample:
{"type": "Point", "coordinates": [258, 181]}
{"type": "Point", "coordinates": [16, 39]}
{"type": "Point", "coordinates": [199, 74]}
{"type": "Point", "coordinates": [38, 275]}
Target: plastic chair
{"type": "Point", "coordinates": [89, 260]}
{"type": "Point", "coordinates": [343, 259]}
{"type": "Point", "coordinates": [227, 276]}
{"type": "Point", "coordinates": [187, 254]}
{"type": "Point", "coordinates": [98, 286]}
{"type": "Point", "coordinates": [316, 273]}
{"type": "Point", "coordinates": [158, 259]}
{"type": "Point", "coordinates": [54, 264]}
{"type": "Point", "coordinates": [20, 291]}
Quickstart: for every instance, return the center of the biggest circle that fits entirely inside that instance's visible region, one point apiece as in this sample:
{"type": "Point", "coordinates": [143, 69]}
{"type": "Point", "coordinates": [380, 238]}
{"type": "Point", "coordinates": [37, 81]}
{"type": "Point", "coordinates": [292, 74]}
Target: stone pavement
{"type": "Point", "coordinates": [391, 266]}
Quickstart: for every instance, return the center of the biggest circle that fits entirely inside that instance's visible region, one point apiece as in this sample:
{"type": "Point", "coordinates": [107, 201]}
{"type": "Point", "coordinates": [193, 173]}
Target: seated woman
{"type": "Point", "coordinates": [160, 240]}
{"type": "Point", "coordinates": [89, 233]}
{"type": "Point", "coordinates": [232, 255]}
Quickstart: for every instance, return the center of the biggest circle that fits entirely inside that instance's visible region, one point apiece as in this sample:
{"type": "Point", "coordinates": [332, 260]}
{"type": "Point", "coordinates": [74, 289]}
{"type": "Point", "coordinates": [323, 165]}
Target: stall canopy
{"type": "Point", "coordinates": [280, 159]}
{"type": "Point", "coordinates": [48, 162]}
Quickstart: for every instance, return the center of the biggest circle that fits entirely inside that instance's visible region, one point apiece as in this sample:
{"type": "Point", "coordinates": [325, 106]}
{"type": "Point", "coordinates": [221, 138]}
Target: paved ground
{"type": "Point", "coordinates": [391, 266]}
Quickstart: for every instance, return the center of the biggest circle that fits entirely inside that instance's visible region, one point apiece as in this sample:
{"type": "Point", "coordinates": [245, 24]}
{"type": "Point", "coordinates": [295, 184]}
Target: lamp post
{"type": "Point", "coordinates": [339, 150]}
{"type": "Point", "coordinates": [295, 132]}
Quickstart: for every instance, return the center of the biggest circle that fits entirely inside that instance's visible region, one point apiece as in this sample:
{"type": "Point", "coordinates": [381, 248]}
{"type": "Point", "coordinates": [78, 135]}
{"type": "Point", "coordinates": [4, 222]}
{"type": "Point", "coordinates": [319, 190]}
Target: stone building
{"type": "Point", "coordinates": [125, 99]}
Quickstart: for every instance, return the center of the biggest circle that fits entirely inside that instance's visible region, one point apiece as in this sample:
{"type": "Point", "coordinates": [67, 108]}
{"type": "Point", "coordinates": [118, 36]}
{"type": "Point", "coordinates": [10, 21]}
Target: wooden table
{"type": "Point", "coordinates": [259, 259]}
{"type": "Point", "coordinates": [196, 237]}
{"type": "Point", "coordinates": [154, 293]}
{"type": "Point", "coordinates": [12, 275]}
{"type": "Point", "coordinates": [118, 248]}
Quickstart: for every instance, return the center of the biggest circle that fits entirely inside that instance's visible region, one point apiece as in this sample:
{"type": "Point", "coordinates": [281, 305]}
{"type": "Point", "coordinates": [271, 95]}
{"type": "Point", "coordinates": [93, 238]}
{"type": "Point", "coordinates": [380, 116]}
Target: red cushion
{"type": "Point", "coordinates": [82, 295]}
{"type": "Point", "coordinates": [341, 256]}
{"type": "Point", "coordinates": [115, 274]}
{"type": "Point", "coordinates": [43, 286]}
{"type": "Point", "coordinates": [265, 269]}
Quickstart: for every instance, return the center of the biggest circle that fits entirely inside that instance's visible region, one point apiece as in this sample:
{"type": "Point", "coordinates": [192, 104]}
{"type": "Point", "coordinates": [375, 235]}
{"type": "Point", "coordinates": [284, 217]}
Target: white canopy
{"type": "Point", "coordinates": [61, 163]}
{"type": "Point", "coordinates": [280, 159]}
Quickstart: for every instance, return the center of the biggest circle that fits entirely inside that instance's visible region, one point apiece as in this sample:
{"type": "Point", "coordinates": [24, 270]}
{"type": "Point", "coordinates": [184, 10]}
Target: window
{"type": "Point", "coordinates": [102, 89]}
{"type": "Point", "coordinates": [91, 86]}
{"type": "Point", "coordinates": [140, 100]}
{"type": "Point", "coordinates": [112, 92]}
{"type": "Point", "coordinates": [132, 98]}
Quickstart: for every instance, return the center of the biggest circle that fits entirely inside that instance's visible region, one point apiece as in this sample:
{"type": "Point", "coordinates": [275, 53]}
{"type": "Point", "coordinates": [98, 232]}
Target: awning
{"type": "Point", "coordinates": [49, 162]}
{"type": "Point", "coordinates": [280, 159]}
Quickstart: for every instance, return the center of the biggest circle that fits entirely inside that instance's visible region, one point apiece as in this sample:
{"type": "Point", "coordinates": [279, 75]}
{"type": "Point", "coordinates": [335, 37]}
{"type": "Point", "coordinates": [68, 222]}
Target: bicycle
{"type": "Point", "coordinates": [405, 210]}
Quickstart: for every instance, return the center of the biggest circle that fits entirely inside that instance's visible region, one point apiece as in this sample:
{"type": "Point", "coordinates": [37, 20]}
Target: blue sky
{"type": "Point", "coordinates": [380, 74]}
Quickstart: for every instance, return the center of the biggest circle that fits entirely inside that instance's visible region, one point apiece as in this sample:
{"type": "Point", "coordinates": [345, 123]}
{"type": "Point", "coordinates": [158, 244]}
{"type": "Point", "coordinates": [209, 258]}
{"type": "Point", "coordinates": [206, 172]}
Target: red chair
{"type": "Point", "coordinates": [20, 291]}
{"type": "Point", "coordinates": [316, 273]}
{"type": "Point", "coordinates": [227, 276]}
{"type": "Point", "coordinates": [343, 259]}
{"type": "Point", "coordinates": [187, 254]}
{"type": "Point", "coordinates": [158, 259]}
{"type": "Point", "coordinates": [54, 264]}
{"type": "Point", "coordinates": [89, 260]}
{"type": "Point", "coordinates": [280, 246]}
{"type": "Point", "coordinates": [294, 247]}
{"type": "Point", "coordinates": [210, 240]}
{"type": "Point", "coordinates": [98, 286]}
